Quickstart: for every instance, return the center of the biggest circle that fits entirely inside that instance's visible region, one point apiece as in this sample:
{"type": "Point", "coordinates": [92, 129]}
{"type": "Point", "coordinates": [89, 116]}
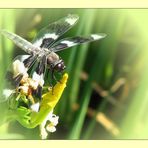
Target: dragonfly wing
{"type": "Point", "coordinates": [38, 75]}
{"type": "Point", "coordinates": [14, 75]}
{"type": "Point", "coordinates": [24, 62]}
{"type": "Point", "coordinates": [73, 41]}
{"type": "Point", "coordinates": [20, 42]}
{"type": "Point", "coordinates": [15, 71]}
{"type": "Point", "coordinates": [49, 34]}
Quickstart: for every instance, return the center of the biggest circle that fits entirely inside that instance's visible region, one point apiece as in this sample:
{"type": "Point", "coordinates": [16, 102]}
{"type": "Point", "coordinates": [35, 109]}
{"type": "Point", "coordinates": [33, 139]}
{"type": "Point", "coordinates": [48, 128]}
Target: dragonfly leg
{"type": "Point", "coordinates": [53, 77]}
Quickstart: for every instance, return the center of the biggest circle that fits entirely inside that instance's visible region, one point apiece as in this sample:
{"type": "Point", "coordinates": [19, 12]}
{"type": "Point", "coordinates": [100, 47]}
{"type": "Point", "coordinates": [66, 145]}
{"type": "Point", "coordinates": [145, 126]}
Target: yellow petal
{"type": "Point", "coordinates": [50, 99]}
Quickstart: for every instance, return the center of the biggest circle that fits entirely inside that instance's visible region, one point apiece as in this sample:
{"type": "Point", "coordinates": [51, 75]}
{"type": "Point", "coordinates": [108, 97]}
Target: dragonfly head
{"type": "Point", "coordinates": [60, 66]}
{"type": "Point", "coordinates": [55, 62]}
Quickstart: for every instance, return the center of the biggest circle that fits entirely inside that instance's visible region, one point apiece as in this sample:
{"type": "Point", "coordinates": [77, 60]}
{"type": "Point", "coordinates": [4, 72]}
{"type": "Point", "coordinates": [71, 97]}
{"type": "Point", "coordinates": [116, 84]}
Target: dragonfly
{"type": "Point", "coordinates": [42, 51]}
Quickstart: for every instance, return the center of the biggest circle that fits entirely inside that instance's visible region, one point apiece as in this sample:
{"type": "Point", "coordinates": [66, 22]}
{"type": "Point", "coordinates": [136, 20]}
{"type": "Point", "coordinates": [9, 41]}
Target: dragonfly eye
{"type": "Point", "coordinates": [60, 66]}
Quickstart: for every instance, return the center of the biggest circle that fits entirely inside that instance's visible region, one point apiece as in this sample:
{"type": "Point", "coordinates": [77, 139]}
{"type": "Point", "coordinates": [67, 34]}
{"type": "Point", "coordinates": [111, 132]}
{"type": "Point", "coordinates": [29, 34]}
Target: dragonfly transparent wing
{"type": "Point", "coordinates": [38, 75]}
{"type": "Point", "coordinates": [20, 42]}
{"type": "Point", "coordinates": [19, 67]}
{"type": "Point", "coordinates": [73, 41]}
{"type": "Point", "coordinates": [49, 34]}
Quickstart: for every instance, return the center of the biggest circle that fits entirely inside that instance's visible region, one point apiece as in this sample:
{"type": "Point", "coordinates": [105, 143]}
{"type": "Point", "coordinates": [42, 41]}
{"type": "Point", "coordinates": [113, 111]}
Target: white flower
{"type": "Point", "coordinates": [38, 78]}
{"type": "Point", "coordinates": [54, 119]}
{"type": "Point", "coordinates": [33, 84]}
{"type": "Point", "coordinates": [24, 89]}
{"type": "Point", "coordinates": [50, 127]}
{"type": "Point", "coordinates": [19, 68]}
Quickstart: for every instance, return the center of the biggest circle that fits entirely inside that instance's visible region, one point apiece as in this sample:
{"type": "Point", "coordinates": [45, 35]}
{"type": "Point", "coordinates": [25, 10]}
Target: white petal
{"type": "Point", "coordinates": [54, 120]}
{"type": "Point", "coordinates": [35, 107]}
{"type": "Point", "coordinates": [51, 129]}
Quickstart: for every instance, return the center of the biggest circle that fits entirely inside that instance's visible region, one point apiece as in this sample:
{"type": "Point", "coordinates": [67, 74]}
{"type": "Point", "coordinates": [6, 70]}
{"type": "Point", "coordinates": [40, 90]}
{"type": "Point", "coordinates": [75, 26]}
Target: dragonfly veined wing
{"type": "Point", "coordinates": [15, 73]}
{"type": "Point", "coordinates": [49, 34]}
{"type": "Point", "coordinates": [73, 41]}
{"type": "Point", "coordinates": [20, 42]}
{"type": "Point", "coordinates": [39, 74]}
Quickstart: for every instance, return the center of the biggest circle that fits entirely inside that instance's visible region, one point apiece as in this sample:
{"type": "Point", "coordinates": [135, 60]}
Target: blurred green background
{"type": "Point", "coordinates": [107, 92]}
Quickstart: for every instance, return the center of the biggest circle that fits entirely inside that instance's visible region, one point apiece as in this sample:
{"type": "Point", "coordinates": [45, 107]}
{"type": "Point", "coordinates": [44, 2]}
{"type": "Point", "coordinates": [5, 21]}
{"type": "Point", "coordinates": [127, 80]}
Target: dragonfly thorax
{"type": "Point", "coordinates": [42, 52]}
